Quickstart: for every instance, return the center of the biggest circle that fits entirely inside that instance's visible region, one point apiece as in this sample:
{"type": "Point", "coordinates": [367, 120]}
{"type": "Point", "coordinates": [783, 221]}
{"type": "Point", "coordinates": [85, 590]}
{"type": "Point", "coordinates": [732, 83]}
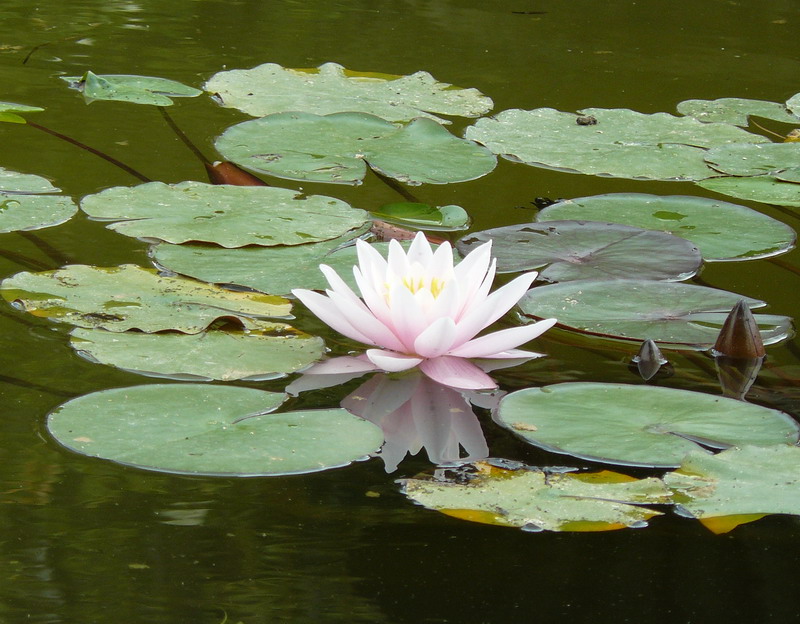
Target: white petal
{"type": "Point", "coordinates": [495, 343]}
{"type": "Point", "coordinates": [420, 250]}
{"type": "Point", "coordinates": [436, 339]}
{"type": "Point", "coordinates": [391, 361]}
{"type": "Point", "coordinates": [408, 320]}
{"type": "Point", "coordinates": [456, 372]}
{"type": "Point", "coordinates": [327, 311]}
{"type": "Point", "coordinates": [359, 316]}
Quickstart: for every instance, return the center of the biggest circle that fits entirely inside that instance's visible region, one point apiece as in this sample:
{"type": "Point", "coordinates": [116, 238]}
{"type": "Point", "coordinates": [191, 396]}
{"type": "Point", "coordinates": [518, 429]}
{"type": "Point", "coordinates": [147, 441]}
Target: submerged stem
{"type": "Point", "coordinates": [396, 187]}
{"type": "Point", "coordinates": [182, 136]}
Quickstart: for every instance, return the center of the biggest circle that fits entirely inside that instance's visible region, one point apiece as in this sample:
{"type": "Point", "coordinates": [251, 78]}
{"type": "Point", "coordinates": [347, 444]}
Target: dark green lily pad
{"type": "Point", "coordinates": [704, 222]}
{"type": "Point", "coordinates": [443, 218]}
{"type": "Point", "coordinates": [736, 111]}
{"type": "Point", "coordinates": [129, 88]}
{"type": "Point", "coordinates": [230, 216]}
{"type": "Point", "coordinates": [765, 189]}
{"type": "Point", "coordinates": [669, 313]}
{"type": "Point", "coordinates": [255, 355]}
{"type": "Point", "coordinates": [638, 425]}
{"type": "Point", "coordinates": [572, 250]}
{"type": "Point", "coordinates": [540, 500]}
{"type": "Point", "coordinates": [131, 297]}
{"type": "Point", "coordinates": [336, 148]}
{"type": "Point", "coordinates": [755, 159]}
{"type": "Point", "coordinates": [210, 430]}
{"type": "Point", "coordinates": [270, 88]}
{"type": "Point", "coordinates": [621, 143]}
{"type": "Point", "coordinates": [275, 270]}
{"type": "Point", "coordinates": [9, 110]}
{"type": "Point", "coordinates": [719, 489]}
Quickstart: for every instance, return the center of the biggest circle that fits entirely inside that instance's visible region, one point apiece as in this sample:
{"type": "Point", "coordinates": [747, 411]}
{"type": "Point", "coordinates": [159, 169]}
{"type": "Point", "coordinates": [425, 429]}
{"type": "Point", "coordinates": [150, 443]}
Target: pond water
{"type": "Point", "coordinates": [85, 540]}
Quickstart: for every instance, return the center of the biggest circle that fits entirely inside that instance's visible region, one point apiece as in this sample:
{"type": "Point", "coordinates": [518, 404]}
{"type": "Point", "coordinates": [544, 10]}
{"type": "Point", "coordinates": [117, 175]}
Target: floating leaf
{"type": "Point", "coordinates": [336, 148]}
{"type": "Point", "coordinates": [129, 88]}
{"type": "Point", "coordinates": [22, 211]}
{"type": "Point", "coordinates": [638, 425]}
{"type": "Point", "coordinates": [793, 104]}
{"type": "Point", "coordinates": [751, 481]}
{"type": "Point", "coordinates": [230, 216]}
{"type": "Point", "coordinates": [275, 270]}
{"type": "Point", "coordinates": [270, 88]}
{"type": "Point", "coordinates": [536, 500]}
{"type": "Point", "coordinates": [131, 297]}
{"type": "Point", "coordinates": [446, 218]}
{"type": "Point", "coordinates": [572, 250]}
{"type": "Point", "coordinates": [765, 189]}
{"type": "Point", "coordinates": [704, 222]}
{"type": "Point", "coordinates": [668, 313]}
{"type": "Point", "coordinates": [622, 143]}
{"type": "Point", "coordinates": [735, 111]}
{"type": "Point", "coordinates": [253, 355]}
{"type": "Point", "coordinates": [755, 159]}
{"type": "Point", "coordinates": [9, 110]}
{"type": "Point", "coordinates": [210, 430]}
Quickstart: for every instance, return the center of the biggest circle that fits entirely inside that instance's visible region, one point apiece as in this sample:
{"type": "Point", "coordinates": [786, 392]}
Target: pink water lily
{"type": "Point", "coordinates": [419, 309]}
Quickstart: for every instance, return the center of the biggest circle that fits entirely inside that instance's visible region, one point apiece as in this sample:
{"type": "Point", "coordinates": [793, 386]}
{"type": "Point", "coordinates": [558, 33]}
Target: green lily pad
{"type": "Point", "coordinates": [735, 111]}
{"type": "Point", "coordinates": [442, 218]}
{"type": "Point", "coordinates": [23, 209]}
{"type": "Point", "coordinates": [638, 425]}
{"type": "Point", "coordinates": [793, 104]}
{"type": "Point", "coordinates": [230, 216]}
{"type": "Point", "coordinates": [254, 355]}
{"type": "Point", "coordinates": [14, 182]}
{"type": "Point", "coordinates": [536, 500]}
{"type": "Point", "coordinates": [131, 297]}
{"type": "Point", "coordinates": [573, 250]}
{"type": "Point", "coordinates": [210, 430]}
{"type": "Point", "coordinates": [669, 313]}
{"type": "Point", "coordinates": [336, 148]}
{"type": "Point", "coordinates": [620, 143]}
{"type": "Point", "coordinates": [130, 88]}
{"type": "Point", "coordinates": [704, 222]}
{"type": "Point", "coordinates": [9, 110]}
{"type": "Point", "coordinates": [750, 481]}
{"type": "Point", "coordinates": [764, 189]}
{"type": "Point", "coordinates": [270, 88]}
{"type": "Point", "coordinates": [275, 270]}
{"type": "Point", "coordinates": [754, 159]}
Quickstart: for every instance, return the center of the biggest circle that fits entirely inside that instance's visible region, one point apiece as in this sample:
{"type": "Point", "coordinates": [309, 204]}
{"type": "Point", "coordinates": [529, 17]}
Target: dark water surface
{"type": "Point", "coordinates": [85, 540]}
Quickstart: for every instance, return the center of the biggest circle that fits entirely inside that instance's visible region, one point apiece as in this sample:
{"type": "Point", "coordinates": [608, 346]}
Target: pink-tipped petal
{"type": "Point", "coordinates": [457, 373]}
{"type": "Point", "coordinates": [359, 316]}
{"type": "Point", "coordinates": [492, 344]}
{"type": "Point", "coordinates": [419, 250]}
{"type": "Point", "coordinates": [392, 362]}
{"type": "Point", "coordinates": [328, 313]}
{"type": "Point", "coordinates": [436, 339]}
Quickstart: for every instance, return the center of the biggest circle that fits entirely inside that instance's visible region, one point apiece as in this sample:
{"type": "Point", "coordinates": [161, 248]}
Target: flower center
{"type": "Point", "coordinates": [415, 284]}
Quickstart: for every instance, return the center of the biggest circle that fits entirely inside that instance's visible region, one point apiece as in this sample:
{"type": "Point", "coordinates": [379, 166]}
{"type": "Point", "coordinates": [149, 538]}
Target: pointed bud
{"type": "Point", "coordinates": [649, 359]}
{"type": "Point", "coordinates": [739, 336]}
{"type": "Point", "coordinates": [227, 173]}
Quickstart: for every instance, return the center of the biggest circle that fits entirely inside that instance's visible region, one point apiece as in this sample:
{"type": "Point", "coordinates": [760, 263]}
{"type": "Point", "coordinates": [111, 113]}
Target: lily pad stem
{"type": "Point", "coordinates": [83, 146]}
{"type": "Point", "coordinates": [182, 136]}
{"type": "Point", "coordinates": [396, 187]}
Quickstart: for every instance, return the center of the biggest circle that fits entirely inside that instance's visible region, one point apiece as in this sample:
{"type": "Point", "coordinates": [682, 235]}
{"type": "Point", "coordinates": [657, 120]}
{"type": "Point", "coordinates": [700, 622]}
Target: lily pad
{"type": "Point", "coordinates": [793, 104]}
{"type": "Point", "coordinates": [230, 216]}
{"type": "Point", "coordinates": [765, 189]}
{"type": "Point", "coordinates": [735, 111]}
{"type": "Point", "coordinates": [738, 485]}
{"type": "Point", "coordinates": [609, 142]}
{"type": "Point", "coordinates": [647, 426]}
{"type": "Point", "coordinates": [275, 270]}
{"type": "Point", "coordinates": [254, 355]}
{"type": "Point", "coordinates": [9, 110]}
{"type": "Point", "coordinates": [270, 88]}
{"type": "Point", "coordinates": [537, 500]}
{"type": "Point", "coordinates": [669, 313]}
{"type": "Point", "coordinates": [23, 209]}
{"type": "Point", "coordinates": [755, 159]}
{"type": "Point", "coordinates": [14, 182]}
{"type": "Point", "coordinates": [443, 218]}
{"type": "Point", "coordinates": [336, 148]}
{"type": "Point", "coordinates": [131, 297]}
{"type": "Point", "coordinates": [210, 430]}
{"type": "Point", "coordinates": [705, 222]}
{"type": "Point", "coordinates": [130, 88]}
{"type": "Point", "coordinates": [572, 250]}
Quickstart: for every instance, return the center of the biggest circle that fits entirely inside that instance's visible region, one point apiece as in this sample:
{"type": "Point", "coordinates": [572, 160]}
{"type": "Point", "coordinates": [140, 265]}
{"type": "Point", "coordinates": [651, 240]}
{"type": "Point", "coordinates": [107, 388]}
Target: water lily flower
{"type": "Point", "coordinates": [420, 309]}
